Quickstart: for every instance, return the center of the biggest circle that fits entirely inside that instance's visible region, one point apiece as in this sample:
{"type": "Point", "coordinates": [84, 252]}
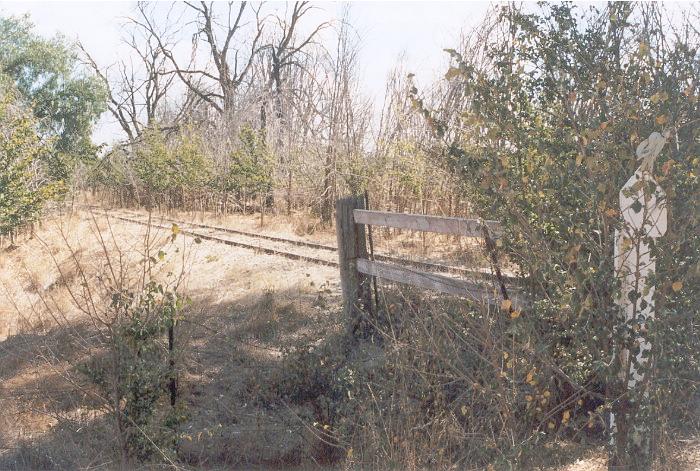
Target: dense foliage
{"type": "Point", "coordinates": [544, 115]}
{"type": "Point", "coordinates": [24, 186]}
{"type": "Point", "coordinates": [65, 102]}
{"type": "Point", "coordinates": [47, 111]}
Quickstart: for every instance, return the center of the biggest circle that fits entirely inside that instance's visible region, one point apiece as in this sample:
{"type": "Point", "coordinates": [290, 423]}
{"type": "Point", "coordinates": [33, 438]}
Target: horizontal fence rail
{"type": "Point", "coordinates": [427, 280]}
{"type": "Point", "coordinates": [476, 291]}
{"type": "Point", "coordinates": [420, 222]}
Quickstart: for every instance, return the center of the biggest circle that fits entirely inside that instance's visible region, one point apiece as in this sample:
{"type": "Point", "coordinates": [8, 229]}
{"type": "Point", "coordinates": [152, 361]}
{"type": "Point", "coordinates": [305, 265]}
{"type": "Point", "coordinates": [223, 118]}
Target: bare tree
{"type": "Point", "coordinates": [284, 54]}
{"type": "Point", "coordinates": [231, 56]}
{"type": "Point", "coordinates": [346, 117]}
{"type": "Point", "coordinates": [283, 51]}
{"type": "Point", "coordinates": [137, 91]}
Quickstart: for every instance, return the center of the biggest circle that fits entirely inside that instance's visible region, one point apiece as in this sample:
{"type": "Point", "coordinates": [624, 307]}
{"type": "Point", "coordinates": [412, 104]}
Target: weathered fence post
{"type": "Point", "coordinates": [351, 246]}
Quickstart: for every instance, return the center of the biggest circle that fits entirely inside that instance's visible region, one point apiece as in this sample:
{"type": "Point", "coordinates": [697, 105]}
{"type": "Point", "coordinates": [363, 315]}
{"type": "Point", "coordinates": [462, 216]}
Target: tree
{"type": "Point", "coordinates": [65, 102]}
{"type": "Point", "coordinates": [136, 97]}
{"type": "Point", "coordinates": [345, 116]}
{"type": "Point", "coordinates": [232, 57]}
{"type": "Point", "coordinates": [250, 171]}
{"type": "Point", "coordinates": [24, 187]}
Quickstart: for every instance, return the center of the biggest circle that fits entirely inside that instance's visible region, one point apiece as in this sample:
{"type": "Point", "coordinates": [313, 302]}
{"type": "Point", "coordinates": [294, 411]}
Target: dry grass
{"type": "Point", "coordinates": [247, 309]}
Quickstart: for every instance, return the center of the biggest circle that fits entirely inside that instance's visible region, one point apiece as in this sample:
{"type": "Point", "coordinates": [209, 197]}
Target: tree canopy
{"type": "Point", "coordinates": [65, 101]}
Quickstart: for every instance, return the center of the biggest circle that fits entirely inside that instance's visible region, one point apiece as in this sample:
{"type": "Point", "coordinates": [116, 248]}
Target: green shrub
{"type": "Point", "coordinates": [137, 370]}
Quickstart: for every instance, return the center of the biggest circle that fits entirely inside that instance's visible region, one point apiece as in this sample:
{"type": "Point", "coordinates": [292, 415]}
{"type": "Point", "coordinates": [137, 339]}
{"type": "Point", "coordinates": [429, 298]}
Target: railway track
{"type": "Point", "coordinates": [316, 253]}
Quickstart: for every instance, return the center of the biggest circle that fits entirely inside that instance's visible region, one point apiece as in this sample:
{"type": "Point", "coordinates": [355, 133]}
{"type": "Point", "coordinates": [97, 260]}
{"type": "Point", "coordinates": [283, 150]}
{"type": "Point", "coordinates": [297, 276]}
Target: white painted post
{"type": "Point", "coordinates": [643, 208]}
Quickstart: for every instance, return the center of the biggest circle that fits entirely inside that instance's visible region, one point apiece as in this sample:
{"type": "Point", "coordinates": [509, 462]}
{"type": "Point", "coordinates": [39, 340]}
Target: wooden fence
{"type": "Point", "coordinates": [356, 268]}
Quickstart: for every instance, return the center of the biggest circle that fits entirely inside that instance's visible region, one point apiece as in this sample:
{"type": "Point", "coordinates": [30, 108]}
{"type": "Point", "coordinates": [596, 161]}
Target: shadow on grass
{"type": "Point", "coordinates": [234, 350]}
{"type": "Point", "coordinates": [53, 420]}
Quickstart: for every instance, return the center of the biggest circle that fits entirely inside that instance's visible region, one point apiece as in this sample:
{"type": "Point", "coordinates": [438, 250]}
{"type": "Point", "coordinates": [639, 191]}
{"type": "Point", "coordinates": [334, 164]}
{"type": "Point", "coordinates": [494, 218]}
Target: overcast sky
{"type": "Point", "coordinates": [420, 30]}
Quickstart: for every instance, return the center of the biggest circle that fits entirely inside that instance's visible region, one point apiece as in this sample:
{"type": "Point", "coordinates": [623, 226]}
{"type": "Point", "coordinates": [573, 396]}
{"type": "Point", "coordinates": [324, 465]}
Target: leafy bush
{"type": "Point", "coordinates": [250, 170]}
{"type": "Point", "coordinates": [166, 172]}
{"type": "Point", "coordinates": [543, 116]}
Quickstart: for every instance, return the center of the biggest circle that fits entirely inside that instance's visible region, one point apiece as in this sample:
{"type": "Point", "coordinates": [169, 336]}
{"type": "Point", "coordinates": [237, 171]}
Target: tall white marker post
{"type": "Point", "coordinates": [643, 208]}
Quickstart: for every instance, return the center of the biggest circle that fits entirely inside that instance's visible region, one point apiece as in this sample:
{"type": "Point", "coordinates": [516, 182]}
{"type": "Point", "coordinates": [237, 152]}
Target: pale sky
{"type": "Point", "coordinates": [420, 30]}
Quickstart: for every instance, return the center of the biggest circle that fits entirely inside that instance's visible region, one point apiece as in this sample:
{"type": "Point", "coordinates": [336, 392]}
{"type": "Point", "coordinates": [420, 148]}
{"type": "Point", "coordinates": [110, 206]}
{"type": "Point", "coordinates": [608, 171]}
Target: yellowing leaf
{"type": "Point", "coordinates": [464, 410]}
{"type": "Point", "coordinates": [547, 394]}
{"type": "Point", "coordinates": [566, 416]}
{"type": "Point", "coordinates": [452, 72]}
{"type": "Point", "coordinates": [626, 243]}
{"type": "Point", "coordinates": [661, 120]}
{"type": "Point", "coordinates": [611, 212]}
{"type": "Point", "coordinates": [572, 253]}
{"type": "Point", "coordinates": [175, 229]}
{"type": "Point", "coordinates": [530, 377]}
{"type": "Point", "coordinates": [514, 314]}
{"type": "Point", "coordinates": [528, 398]}
{"type": "Point", "coordinates": [349, 453]}
{"type": "Point", "coordinates": [506, 304]}
{"type": "Point", "coordinates": [643, 49]}
{"type": "Point", "coordinates": [677, 286]}
{"type": "Point", "coordinates": [658, 97]}
{"type": "Point", "coordinates": [551, 426]}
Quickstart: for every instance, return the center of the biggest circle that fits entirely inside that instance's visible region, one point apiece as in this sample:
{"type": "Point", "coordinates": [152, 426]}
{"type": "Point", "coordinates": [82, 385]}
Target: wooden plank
{"type": "Point", "coordinates": [469, 289]}
{"type": "Point", "coordinates": [426, 280]}
{"type": "Point", "coordinates": [420, 222]}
